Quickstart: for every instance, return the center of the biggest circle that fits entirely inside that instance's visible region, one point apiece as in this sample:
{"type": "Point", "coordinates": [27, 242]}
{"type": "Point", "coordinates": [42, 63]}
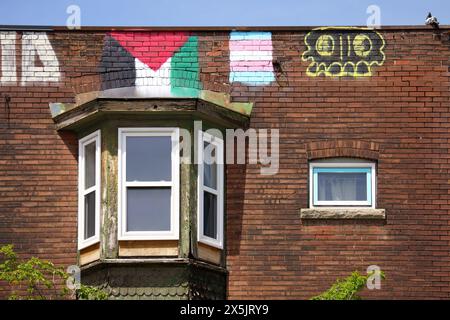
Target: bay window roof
{"type": "Point", "coordinates": [213, 107]}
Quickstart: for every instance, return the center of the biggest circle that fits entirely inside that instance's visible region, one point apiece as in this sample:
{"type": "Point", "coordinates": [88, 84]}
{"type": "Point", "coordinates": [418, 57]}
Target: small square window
{"type": "Point", "coordinates": [342, 182]}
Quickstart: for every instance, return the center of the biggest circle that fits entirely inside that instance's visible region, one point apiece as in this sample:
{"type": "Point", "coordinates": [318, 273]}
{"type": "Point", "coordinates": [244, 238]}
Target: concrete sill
{"type": "Point", "coordinates": [343, 213]}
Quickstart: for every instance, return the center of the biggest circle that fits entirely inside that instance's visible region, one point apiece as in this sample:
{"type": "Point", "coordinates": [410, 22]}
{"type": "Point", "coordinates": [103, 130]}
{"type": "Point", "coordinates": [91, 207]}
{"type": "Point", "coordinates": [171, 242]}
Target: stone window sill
{"type": "Point", "coordinates": [342, 213]}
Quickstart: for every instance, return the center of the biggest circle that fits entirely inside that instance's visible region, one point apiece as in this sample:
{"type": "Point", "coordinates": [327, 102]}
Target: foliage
{"type": "Point", "coordinates": [91, 293]}
{"type": "Point", "coordinates": [40, 279]}
{"type": "Point", "coordinates": [346, 289]}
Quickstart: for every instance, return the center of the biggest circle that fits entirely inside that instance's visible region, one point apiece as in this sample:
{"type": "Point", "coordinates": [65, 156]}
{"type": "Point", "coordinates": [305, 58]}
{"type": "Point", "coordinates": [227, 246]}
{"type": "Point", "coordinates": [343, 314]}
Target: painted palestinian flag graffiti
{"type": "Point", "coordinates": [159, 64]}
{"type": "Point", "coordinates": [251, 58]}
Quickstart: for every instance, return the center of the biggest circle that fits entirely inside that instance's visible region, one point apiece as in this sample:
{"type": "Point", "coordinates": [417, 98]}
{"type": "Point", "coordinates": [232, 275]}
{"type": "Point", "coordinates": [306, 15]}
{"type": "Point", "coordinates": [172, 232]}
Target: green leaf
{"type": "Point", "coordinates": [40, 279]}
{"type": "Point", "coordinates": [346, 289]}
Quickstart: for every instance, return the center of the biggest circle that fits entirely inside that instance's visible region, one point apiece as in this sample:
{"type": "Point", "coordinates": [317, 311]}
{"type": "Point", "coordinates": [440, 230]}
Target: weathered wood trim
{"type": "Point", "coordinates": [109, 189]}
{"type": "Point", "coordinates": [90, 254]}
{"type": "Point", "coordinates": [186, 208]}
{"type": "Point", "coordinates": [147, 105]}
{"type": "Point", "coordinates": [150, 248]}
{"type": "Point", "coordinates": [152, 261]}
{"type": "Point", "coordinates": [217, 114]}
{"type": "Point", "coordinates": [76, 118]}
{"type": "Point", "coordinates": [210, 254]}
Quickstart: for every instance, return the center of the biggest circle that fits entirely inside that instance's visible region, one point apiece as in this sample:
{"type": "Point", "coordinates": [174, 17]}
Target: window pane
{"type": "Point", "coordinates": [89, 165]}
{"type": "Point", "coordinates": [210, 166]}
{"type": "Point", "coordinates": [348, 186]}
{"type": "Point", "coordinates": [210, 215]}
{"type": "Point", "coordinates": [149, 159]}
{"type": "Point", "coordinates": [89, 215]}
{"type": "Point", "coordinates": [148, 209]}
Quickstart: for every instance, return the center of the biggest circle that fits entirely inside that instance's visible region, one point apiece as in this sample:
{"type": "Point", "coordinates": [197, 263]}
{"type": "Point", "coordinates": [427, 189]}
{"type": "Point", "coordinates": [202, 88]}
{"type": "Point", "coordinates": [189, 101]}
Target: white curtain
{"type": "Point", "coordinates": [341, 186]}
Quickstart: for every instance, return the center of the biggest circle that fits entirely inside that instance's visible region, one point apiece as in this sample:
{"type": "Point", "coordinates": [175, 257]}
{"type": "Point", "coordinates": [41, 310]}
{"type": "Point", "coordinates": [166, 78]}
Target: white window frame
{"type": "Point", "coordinates": [174, 134]}
{"type": "Point", "coordinates": [343, 163]}
{"type": "Point", "coordinates": [82, 143]}
{"type": "Point", "coordinates": [219, 145]}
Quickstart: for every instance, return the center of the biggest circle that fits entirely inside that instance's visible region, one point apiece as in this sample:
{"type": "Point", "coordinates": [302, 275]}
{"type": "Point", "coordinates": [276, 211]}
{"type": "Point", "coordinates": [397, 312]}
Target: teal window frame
{"type": "Point", "coordinates": [336, 167]}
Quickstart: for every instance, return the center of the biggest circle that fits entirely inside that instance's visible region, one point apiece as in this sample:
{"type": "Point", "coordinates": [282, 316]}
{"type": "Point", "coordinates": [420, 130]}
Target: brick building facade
{"type": "Point", "coordinates": [350, 93]}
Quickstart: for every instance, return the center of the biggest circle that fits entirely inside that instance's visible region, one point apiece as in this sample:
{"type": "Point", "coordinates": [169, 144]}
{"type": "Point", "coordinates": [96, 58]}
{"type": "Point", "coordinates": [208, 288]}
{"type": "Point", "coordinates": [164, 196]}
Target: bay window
{"type": "Point", "coordinates": [148, 220]}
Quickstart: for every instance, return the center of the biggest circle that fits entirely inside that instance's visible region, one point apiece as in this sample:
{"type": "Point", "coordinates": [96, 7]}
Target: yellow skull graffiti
{"type": "Point", "coordinates": [339, 52]}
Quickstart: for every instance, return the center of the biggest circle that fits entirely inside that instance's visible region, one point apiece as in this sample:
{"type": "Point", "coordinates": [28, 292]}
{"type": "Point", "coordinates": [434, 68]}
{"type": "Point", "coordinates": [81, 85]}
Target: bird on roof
{"type": "Point", "coordinates": [432, 21]}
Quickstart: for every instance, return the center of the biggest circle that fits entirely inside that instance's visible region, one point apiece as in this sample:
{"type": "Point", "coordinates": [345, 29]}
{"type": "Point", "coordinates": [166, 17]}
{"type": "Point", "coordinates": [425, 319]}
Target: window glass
{"type": "Point", "coordinates": [148, 158]}
{"type": "Point", "coordinates": [148, 209]}
{"type": "Point", "coordinates": [339, 186]}
{"type": "Point", "coordinates": [89, 165]}
{"type": "Point", "coordinates": [89, 215]}
{"type": "Point", "coordinates": [210, 215]}
{"type": "Point", "coordinates": [210, 166]}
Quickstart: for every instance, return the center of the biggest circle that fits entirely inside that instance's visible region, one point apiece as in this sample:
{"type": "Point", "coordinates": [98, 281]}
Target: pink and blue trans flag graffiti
{"type": "Point", "coordinates": [251, 58]}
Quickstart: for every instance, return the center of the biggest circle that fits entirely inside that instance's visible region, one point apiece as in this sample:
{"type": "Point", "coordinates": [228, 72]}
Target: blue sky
{"type": "Point", "coordinates": [221, 12]}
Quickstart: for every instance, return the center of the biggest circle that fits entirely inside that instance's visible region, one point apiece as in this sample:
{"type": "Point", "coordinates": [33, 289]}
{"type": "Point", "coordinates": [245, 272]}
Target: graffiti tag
{"type": "Point", "coordinates": [35, 47]}
{"type": "Point", "coordinates": [339, 52]}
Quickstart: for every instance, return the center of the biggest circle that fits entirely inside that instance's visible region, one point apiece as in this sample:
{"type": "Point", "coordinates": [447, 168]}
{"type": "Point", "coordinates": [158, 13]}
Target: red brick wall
{"type": "Point", "coordinates": [404, 110]}
{"type": "Point", "coordinates": [38, 165]}
{"type": "Point", "coordinates": [398, 116]}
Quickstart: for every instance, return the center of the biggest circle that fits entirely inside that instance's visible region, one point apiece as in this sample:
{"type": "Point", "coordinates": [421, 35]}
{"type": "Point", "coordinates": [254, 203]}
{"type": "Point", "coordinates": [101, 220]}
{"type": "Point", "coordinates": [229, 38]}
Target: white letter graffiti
{"type": "Point", "coordinates": [8, 51]}
{"type": "Point", "coordinates": [34, 45]}
{"type": "Point", "coordinates": [37, 43]}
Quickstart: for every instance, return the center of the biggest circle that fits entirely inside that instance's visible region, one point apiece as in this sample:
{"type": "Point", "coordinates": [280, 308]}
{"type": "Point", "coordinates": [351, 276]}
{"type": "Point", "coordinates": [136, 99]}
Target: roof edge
{"type": "Point", "coordinates": [205, 28]}
{"type": "Point", "coordinates": [128, 93]}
